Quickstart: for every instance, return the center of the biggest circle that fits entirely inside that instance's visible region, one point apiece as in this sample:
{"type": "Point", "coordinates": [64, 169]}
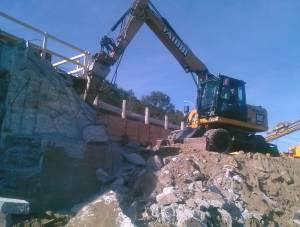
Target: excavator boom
{"type": "Point", "coordinates": [143, 11]}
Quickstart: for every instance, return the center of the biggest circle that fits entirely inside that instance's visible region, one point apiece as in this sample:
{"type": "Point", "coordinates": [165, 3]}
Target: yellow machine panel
{"type": "Point", "coordinates": [257, 120]}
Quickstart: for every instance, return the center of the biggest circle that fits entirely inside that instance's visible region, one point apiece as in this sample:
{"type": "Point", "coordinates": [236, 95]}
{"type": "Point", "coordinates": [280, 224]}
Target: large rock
{"type": "Point", "coordinates": [103, 211]}
{"type": "Point", "coordinates": [134, 158]}
{"type": "Point", "coordinates": [155, 163]}
{"type": "Point", "coordinates": [40, 103]}
{"type": "Point", "coordinates": [94, 133]}
{"type": "Point", "coordinates": [46, 129]}
{"type": "Point", "coordinates": [9, 206]}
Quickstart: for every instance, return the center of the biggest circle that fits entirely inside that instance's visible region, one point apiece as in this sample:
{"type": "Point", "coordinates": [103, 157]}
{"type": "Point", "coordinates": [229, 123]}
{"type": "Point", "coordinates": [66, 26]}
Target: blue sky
{"type": "Point", "coordinates": [256, 41]}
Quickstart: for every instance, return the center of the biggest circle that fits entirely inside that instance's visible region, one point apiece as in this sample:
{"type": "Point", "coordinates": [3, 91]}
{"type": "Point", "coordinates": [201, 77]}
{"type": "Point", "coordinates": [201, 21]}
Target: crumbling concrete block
{"type": "Point", "coordinates": [13, 206]}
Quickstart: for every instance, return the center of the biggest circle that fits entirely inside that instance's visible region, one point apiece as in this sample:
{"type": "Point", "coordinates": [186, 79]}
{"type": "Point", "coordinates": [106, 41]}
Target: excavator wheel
{"type": "Point", "coordinates": [218, 140]}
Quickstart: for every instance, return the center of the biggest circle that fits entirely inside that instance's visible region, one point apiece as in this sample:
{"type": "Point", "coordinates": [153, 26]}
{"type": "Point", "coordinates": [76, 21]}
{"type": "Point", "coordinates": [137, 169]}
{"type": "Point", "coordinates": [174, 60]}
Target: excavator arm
{"type": "Point", "coordinates": [167, 35]}
{"type": "Point", "coordinates": [143, 11]}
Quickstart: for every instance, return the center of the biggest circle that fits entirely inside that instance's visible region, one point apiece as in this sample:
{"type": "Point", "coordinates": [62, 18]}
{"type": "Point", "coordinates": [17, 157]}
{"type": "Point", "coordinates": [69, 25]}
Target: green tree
{"type": "Point", "coordinates": [158, 102]}
{"type": "Point", "coordinates": [176, 117]}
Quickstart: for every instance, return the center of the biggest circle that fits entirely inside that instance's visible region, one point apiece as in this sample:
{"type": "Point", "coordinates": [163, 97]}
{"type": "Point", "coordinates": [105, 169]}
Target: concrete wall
{"type": "Point", "coordinates": [135, 130]}
{"type": "Point", "coordinates": [131, 125]}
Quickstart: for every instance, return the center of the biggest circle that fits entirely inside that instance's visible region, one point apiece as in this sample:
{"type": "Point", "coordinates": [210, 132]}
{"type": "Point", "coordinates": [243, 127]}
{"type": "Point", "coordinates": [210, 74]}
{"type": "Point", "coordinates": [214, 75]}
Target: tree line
{"type": "Point", "coordinates": [158, 102]}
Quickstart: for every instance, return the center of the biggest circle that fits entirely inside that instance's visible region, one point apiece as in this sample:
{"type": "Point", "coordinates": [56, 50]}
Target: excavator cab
{"type": "Point", "coordinates": [223, 96]}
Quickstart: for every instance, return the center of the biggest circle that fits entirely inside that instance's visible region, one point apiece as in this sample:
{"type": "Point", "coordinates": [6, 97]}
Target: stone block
{"type": "Point", "coordinates": [155, 163]}
{"type": "Point", "coordinates": [13, 206]}
{"type": "Point", "coordinates": [94, 133]}
{"type": "Point", "coordinates": [134, 158]}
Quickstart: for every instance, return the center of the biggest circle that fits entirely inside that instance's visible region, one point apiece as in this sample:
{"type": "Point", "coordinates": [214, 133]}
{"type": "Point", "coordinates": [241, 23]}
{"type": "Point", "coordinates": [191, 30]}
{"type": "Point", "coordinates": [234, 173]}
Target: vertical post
{"type": "Point", "coordinates": [78, 61]}
{"type": "Point", "coordinates": [44, 45]}
{"type": "Point", "coordinates": [182, 126]}
{"type": "Point", "coordinates": [166, 122]}
{"type": "Point", "coordinates": [147, 116]}
{"type": "Point", "coordinates": [85, 64]}
{"type": "Point", "coordinates": [123, 109]}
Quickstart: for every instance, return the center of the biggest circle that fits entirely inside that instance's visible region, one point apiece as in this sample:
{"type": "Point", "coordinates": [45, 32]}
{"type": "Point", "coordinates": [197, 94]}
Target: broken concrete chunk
{"type": "Point", "coordinates": [296, 218]}
{"type": "Point", "coordinates": [155, 163]}
{"type": "Point", "coordinates": [168, 196]}
{"type": "Point", "coordinates": [237, 178]}
{"type": "Point", "coordinates": [134, 158]}
{"type": "Point", "coordinates": [94, 133]}
{"type": "Point", "coordinates": [13, 206]}
{"type": "Point", "coordinates": [184, 214]}
{"type": "Point", "coordinates": [103, 211]}
{"type": "Point", "coordinates": [168, 214]}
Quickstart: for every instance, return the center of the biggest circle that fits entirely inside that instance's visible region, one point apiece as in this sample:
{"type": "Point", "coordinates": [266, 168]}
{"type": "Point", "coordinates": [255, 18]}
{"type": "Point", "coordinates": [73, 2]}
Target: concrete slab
{"type": "Point", "coordinates": [13, 206]}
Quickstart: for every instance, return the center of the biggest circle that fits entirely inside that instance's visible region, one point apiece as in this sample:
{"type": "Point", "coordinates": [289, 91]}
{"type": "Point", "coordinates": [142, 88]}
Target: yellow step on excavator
{"type": "Point", "coordinates": [222, 120]}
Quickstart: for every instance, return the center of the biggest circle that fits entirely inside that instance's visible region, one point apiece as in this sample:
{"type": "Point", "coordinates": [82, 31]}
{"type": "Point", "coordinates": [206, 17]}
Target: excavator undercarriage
{"type": "Point", "coordinates": [218, 140]}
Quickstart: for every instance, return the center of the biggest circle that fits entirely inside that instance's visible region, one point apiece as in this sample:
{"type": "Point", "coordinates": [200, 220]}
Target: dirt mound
{"type": "Point", "coordinates": [192, 187]}
{"type": "Point", "coordinates": [209, 188]}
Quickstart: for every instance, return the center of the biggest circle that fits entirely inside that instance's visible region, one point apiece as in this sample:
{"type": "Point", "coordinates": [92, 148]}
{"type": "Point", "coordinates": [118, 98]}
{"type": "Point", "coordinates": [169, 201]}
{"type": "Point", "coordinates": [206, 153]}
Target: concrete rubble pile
{"type": "Point", "coordinates": [200, 188]}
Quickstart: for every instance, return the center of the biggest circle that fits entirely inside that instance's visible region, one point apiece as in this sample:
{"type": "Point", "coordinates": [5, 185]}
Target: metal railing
{"type": "Point", "coordinates": [80, 61]}
{"type": "Point", "coordinates": [126, 114]}
{"type": "Point", "coordinates": [283, 130]}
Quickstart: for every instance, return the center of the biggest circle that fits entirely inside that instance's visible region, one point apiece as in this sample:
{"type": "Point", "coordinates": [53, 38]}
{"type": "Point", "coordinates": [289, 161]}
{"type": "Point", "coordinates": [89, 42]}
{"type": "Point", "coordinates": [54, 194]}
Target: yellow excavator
{"type": "Point", "coordinates": [222, 119]}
